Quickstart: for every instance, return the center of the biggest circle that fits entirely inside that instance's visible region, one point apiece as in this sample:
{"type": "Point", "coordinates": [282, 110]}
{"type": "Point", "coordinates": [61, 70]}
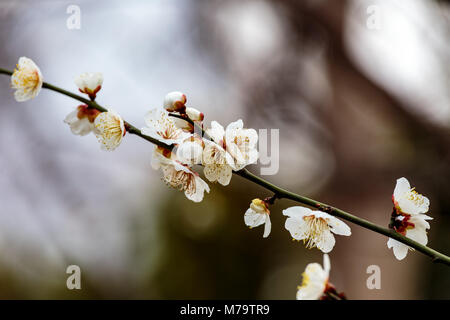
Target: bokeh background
{"type": "Point", "coordinates": [357, 108]}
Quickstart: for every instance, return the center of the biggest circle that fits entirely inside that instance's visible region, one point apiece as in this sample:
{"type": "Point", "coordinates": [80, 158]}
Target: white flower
{"type": "Point", "coordinates": [110, 129]}
{"type": "Point", "coordinates": [408, 217]}
{"type": "Point", "coordinates": [315, 280]}
{"type": "Point", "coordinates": [258, 214]}
{"type": "Point", "coordinates": [407, 200]}
{"type": "Point", "coordinates": [161, 127]}
{"type": "Point", "coordinates": [26, 79]}
{"type": "Point", "coordinates": [81, 120]}
{"type": "Point", "coordinates": [181, 177]}
{"type": "Point", "coordinates": [413, 227]}
{"type": "Point", "coordinates": [218, 164]}
{"type": "Point", "coordinates": [190, 151]}
{"type": "Point", "coordinates": [194, 114]}
{"type": "Point", "coordinates": [175, 101]}
{"type": "Point", "coordinates": [315, 228]}
{"type": "Point", "coordinates": [89, 83]}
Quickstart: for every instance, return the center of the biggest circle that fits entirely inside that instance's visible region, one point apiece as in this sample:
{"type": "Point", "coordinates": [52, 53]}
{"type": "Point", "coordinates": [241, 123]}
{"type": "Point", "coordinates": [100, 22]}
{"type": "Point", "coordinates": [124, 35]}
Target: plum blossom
{"type": "Point", "coordinates": [180, 176]}
{"type": "Point", "coordinates": [81, 120]}
{"type": "Point", "coordinates": [314, 280]}
{"type": "Point", "coordinates": [407, 200]}
{"type": "Point", "coordinates": [162, 127]}
{"type": "Point", "coordinates": [315, 228]}
{"type": "Point", "coordinates": [89, 83]}
{"type": "Point", "coordinates": [110, 129]}
{"type": "Point", "coordinates": [258, 214]}
{"type": "Point", "coordinates": [316, 285]}
{"type": "Point", "coordinates": [240, 143]}
{"type": "Point", "coordinates": [411, 226]}
{"type": "Point", "coordinates": [26, 79]}
{"type": "Point", "coordinates": [218, 164]}
{"type": "Point", "coordinates": [408, 217]}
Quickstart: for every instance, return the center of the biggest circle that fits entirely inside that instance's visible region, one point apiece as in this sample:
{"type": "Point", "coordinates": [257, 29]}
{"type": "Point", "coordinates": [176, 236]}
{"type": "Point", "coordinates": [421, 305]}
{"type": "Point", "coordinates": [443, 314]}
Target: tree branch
{"type": "Point", "coordinates": [279, 193]}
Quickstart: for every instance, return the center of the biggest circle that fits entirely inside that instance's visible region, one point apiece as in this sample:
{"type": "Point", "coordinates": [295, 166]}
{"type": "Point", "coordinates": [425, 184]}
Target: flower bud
{"type": "Point", "coordinates": [194, 114]}
{"type": "Point", "coordinates": [89, 83]}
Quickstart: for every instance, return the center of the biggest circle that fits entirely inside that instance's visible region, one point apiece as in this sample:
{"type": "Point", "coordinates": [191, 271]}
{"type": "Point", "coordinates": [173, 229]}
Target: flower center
{"type": "Point", "coordinates": [400, 223]}
{"type": "Point", "coordinates": [315, 230]}
{"type": "Point", "coordinates": [181, 180]}
{"type": "Point", "coordinates": [415, 197]}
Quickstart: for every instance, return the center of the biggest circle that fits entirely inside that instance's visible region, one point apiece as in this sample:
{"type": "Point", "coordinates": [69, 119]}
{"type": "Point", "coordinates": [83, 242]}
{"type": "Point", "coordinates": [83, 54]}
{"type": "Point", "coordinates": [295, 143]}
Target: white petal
{"type": "Point", "coordinates": [201, 187]}
{"type": "Point", "coordinates": [234, 126]}
{"type": "Point", "coordinates": [267, 227]}
{"type": "Point", "coordinates": [418, 233]}
{"type": "Point", "coordinates": [297, 228]}
{"type": "Point", "coordinates": [297, 212]}
{"type": "Point", "coordinates": [326, 264]}
{"type": "Point", "coordinates": [216, 132]}
{"type": "Point", "coordinates": [224, 174]}
{"type": "Point", "coordinates": [326, 242]}
{"type": "Point", "coordinates": [402, 186]}
{"type": "Point", "coordinates": [400, 250]}
{"type": "Point", "coordinates": [254, 219]}
{"type": "Point", "coordinates": [211, 173]}
{"type": "Point", "coordinates": [312, 292]}
{"type": "Point", "coordinates": [338, 227]}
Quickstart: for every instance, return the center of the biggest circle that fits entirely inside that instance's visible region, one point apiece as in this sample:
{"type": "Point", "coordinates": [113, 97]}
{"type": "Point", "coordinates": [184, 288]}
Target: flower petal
{"type": "Point", "coordinates": [338, 227]}
{"type": "Point", "coordinates": [326, 242]}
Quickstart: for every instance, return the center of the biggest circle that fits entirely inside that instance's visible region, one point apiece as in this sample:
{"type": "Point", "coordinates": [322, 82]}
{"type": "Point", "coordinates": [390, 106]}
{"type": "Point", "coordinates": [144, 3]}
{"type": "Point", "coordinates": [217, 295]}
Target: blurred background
{"type": "Point", "coordinates": [359, 103]}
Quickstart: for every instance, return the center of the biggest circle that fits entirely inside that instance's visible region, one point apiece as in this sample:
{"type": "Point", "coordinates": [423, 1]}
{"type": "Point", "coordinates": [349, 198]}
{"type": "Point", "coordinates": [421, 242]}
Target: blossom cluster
{"type": "Point", "coordinates": [220, 151]}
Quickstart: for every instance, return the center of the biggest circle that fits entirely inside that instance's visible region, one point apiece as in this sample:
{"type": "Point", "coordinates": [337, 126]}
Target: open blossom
{"type": "Point", "coordinates": [407, 200]}
{"type": "Point", "coordinates": [218, 164]}
{"type": "Point", "coordinates": [81, 120]}
{"type": "Point", "coordinates": [315, 228]}
{"type": "Point", "coordinates": [258, 214]}
{"type": "Point", "coordinates": [110, 129]}
{"type": "Point", "coordinates": [315, 280]}
{"type": "Point", "coordinates": [240, 143]}
{"type": "Point", "coordinates": [180, 176]}
{"type": "Point", "coordinates": [89, 83]}
{"type": "Point", "coordinates": [162, 127]}
{"type": "Point", "coordinates": [175, 101]}
{"type": "Point", "coordinates": [411, 226]}
{"type": "Point", "coordinates": [408, 217]}
{"type": "Point", "coordinates": [26, 79]}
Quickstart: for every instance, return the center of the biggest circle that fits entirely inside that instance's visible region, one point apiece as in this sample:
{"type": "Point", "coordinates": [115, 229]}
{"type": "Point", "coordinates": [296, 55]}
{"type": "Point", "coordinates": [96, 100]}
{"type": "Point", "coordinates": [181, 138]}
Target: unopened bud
{"type": "Point", "coordinates": [175, 102]}
{"type": "Point", "coordinates": [194, 114]}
